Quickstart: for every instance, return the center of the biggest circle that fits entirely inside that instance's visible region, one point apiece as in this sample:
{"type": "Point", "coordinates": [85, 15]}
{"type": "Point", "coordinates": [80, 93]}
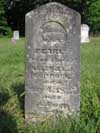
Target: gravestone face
{"type": "Point", "coordinates": [85, 33]}
{"type": "Point", "coordinates": [52, 61]}
{"type": "Point", "coordinates": [16, 35]}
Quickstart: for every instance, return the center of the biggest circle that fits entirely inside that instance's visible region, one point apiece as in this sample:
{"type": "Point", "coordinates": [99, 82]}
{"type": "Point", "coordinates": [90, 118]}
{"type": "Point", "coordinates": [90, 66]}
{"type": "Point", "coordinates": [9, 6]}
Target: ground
{"type": "Point", "coordinates": [12, 92]}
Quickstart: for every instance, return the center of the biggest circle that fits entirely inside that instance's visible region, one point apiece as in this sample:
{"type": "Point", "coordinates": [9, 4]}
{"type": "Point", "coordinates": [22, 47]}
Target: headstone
{"type": "Point", "coordinates": [16, 35]}
{"type": "Point", "coordinates": [85, 33]}
{"type": "Point", "coordinates": [52, 61]}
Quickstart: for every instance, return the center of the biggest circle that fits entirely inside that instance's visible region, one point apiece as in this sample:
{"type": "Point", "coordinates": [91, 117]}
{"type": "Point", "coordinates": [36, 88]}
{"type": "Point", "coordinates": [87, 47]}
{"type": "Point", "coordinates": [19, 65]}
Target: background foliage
{"type": "Point", "coordinates": [13, 12]}
{"type": "Point", "coordinates": [4, 28]}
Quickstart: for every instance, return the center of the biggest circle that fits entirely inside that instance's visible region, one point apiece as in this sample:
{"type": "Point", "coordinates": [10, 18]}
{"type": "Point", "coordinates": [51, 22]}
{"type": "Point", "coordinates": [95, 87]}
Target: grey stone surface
{"type": "Point", "coordinates": [52, 61]}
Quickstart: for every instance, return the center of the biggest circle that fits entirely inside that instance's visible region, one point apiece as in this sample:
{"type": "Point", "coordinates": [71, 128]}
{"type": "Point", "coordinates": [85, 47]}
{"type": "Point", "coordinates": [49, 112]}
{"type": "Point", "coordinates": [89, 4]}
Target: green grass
{"type": "Point", "coordinates": [12, 92]}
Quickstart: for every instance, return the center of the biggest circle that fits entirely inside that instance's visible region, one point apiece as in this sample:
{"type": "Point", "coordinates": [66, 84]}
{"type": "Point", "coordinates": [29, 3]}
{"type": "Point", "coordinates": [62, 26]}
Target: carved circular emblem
{"type": "Point", "coordinates": [53, 33]}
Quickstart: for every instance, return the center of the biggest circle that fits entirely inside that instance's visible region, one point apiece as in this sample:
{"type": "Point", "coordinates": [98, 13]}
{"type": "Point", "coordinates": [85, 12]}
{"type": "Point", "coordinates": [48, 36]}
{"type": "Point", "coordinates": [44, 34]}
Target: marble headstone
{"type": "Point", "coordinates": [16, 35]}
{"type": "Point", "coordinates": [85, 33]}
{"type": "Point", "coordinates": [52, 74]}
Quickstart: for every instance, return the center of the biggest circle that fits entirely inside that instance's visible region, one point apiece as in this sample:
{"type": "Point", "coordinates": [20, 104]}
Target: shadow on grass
{"type": "Point", "coordinates": [19, 89]}
{"type": "Point", "coordinates": [7, 122]}
{"type": "Point", "coordinates": [4, 96]}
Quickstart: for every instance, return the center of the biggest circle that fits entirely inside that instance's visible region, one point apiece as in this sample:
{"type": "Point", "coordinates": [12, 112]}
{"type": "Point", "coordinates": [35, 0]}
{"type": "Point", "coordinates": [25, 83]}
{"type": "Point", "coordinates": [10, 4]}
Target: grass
{"type": "Point", "coordinates": [12, 92]}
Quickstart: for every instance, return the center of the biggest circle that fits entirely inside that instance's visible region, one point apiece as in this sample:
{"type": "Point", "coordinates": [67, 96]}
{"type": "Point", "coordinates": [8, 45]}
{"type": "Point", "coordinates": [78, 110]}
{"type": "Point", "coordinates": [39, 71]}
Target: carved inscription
{"type": "Point", "coordinates": [55, 76]}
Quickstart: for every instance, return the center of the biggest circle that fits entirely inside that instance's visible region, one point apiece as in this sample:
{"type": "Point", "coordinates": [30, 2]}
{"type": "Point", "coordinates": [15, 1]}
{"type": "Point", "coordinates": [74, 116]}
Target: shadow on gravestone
{"type": "Point", "coordinates": [52, 75]}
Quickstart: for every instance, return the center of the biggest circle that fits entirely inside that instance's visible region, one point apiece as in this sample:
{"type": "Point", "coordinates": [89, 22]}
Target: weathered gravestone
{"type": "Point", "coordinates": [85, 33]}
{"type": "Point", "coordinates": [16, 35]}
{"type": "Point", "coordinates": [52, 61]}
